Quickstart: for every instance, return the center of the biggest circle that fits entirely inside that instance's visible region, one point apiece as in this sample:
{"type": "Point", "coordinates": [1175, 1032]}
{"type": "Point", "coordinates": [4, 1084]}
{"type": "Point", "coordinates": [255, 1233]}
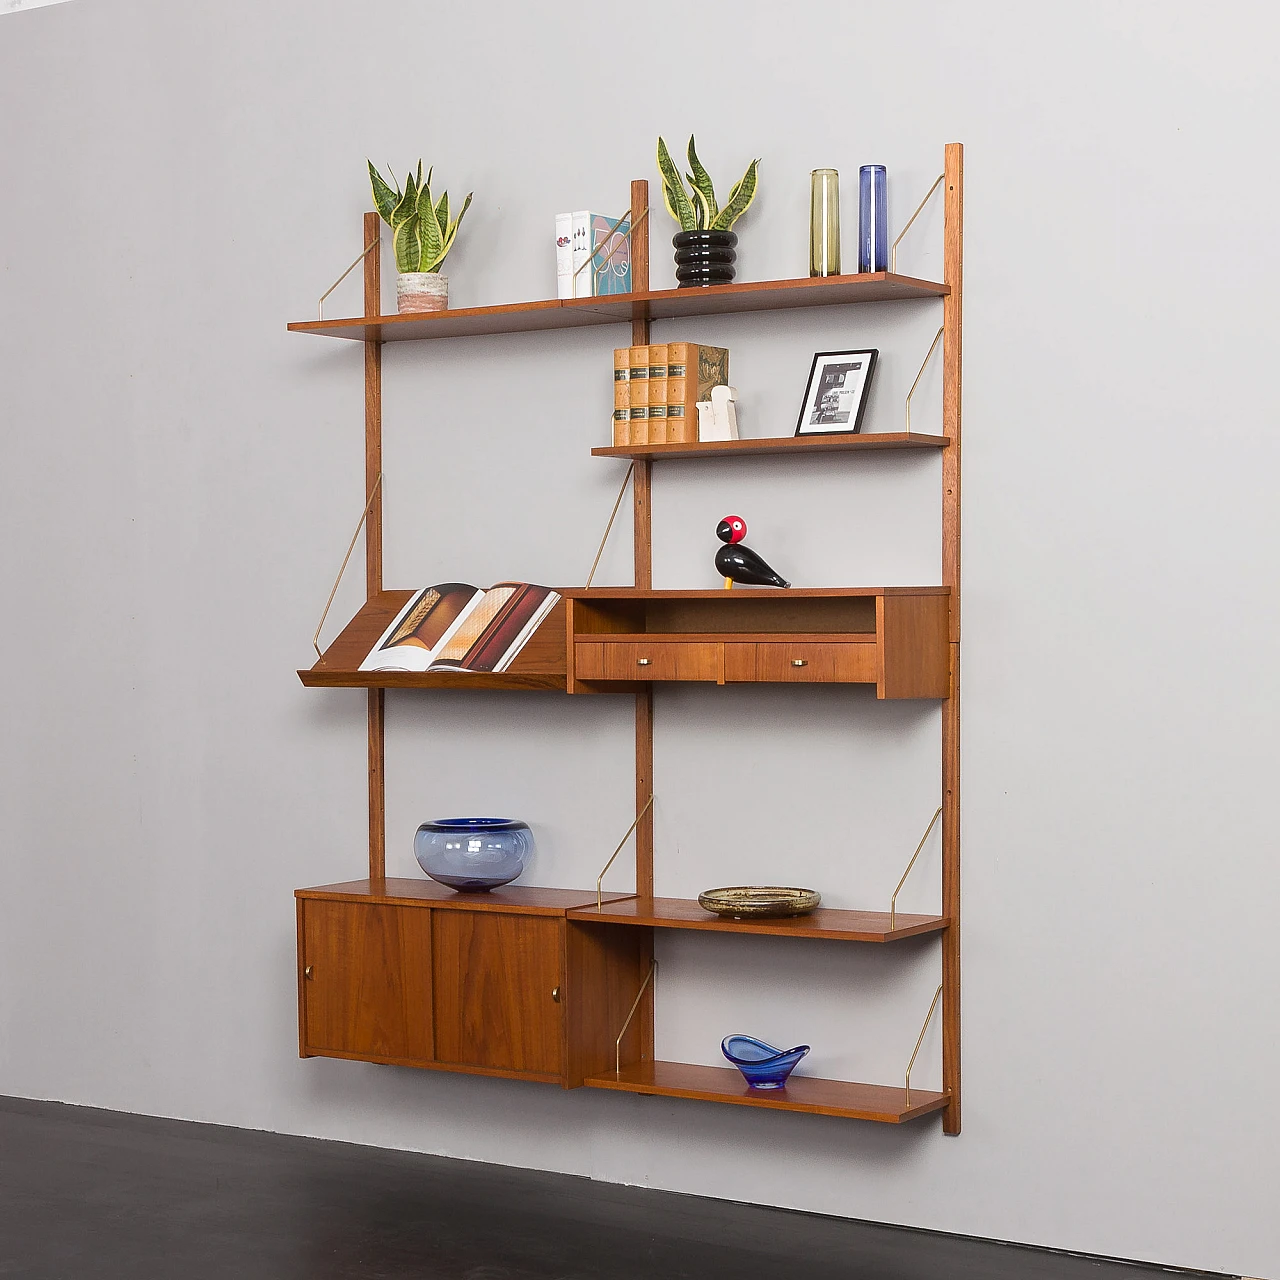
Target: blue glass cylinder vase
{"type": "Point", "coordinates": [873, 219]}
{"type": "Point", "coordinates": [473, 854]}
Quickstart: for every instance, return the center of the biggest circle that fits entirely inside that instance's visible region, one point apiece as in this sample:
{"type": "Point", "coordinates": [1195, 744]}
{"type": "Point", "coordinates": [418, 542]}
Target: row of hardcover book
{"type": "Point", "coordinates": [656, 390]}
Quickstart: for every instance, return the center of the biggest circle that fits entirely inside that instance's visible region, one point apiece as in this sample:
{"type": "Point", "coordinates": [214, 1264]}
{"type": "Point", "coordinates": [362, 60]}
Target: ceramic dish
{"type": "Point", "coordinates": [740, 902]}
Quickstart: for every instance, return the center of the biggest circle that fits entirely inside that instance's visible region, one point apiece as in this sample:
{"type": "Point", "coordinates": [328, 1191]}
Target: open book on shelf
{"type": "Point", "coordinates": [457, 627]}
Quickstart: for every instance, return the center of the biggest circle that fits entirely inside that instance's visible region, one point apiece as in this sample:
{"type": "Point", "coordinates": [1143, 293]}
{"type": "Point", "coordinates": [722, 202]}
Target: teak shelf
{"type": "Point", "coordinates": [811, 1094]}
{"type": "Point", "coordinates": [826, 922]}
{"type": "Point", "coordinates": [776, 447]}
{"type": "Point", "coordinates": [555, 985]}
{"type": "Point", "coordinates": [641, 307]}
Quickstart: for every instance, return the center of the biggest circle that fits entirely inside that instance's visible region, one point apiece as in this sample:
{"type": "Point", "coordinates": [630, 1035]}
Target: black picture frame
{"type": "Point", "coordinates": [828, 407]}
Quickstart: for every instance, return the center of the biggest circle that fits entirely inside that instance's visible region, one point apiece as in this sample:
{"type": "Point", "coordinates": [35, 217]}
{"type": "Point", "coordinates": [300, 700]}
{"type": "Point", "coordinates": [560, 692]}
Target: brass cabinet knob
{"type": "Point", "coordinates": [555, 994]}
{"type": "Point", "coordinates": [306, 973]}
{"type": "Point", "coordinates": [643, 662]}
{"type": "Point", "coordinates": [799, 662]}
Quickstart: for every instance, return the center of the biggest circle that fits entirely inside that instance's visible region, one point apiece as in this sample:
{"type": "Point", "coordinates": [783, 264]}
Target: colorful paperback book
{"type": "Point", "coordinates": [457, 627]}
{"type": "Point", "coordinates": [601, 255]}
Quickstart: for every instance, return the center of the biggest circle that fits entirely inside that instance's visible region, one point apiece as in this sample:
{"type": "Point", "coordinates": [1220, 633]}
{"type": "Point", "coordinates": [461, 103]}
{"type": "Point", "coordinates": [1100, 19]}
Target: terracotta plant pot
{"type": "Point", "coordinates": [422, 291]}
{"type": "Point", "coordinates": [704, 257]}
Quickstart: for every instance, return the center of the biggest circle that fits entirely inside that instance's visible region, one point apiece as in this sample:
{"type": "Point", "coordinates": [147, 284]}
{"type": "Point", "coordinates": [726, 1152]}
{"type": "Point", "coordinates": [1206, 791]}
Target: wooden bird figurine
{"type": "Point", "coordinates": [737, 563]}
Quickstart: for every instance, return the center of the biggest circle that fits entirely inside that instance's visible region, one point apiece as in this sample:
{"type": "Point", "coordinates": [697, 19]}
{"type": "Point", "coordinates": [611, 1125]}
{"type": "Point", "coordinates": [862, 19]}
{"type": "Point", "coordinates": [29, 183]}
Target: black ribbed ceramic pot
{"type": "Point", "coordinates": [704, 257]}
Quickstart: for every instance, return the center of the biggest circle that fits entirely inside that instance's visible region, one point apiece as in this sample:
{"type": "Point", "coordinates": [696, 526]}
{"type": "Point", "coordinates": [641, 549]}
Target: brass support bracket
{"type": "Point", "coordinates": [893, 902]}
{"type": "Point", "coordinates": [367, 250]}
{"type": "Point", "coordinates": [937, 995]}
{"type": "Point", "coordinates": [613, 515]}
{"type": "Point", "coordinates": [617, 1046]}
{"type": "Point", "coordinates": [618, 850]}
{"type": "Point", "coordinates": [893, 252]}
{"type": "Point", "coordinates": [937, 337]}
{"type": "Point", "coordinates": [364, 515]}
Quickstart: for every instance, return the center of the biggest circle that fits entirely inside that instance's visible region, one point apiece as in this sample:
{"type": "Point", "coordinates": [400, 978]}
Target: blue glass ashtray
{"type": "Point", "coordinates": [762, 1066]}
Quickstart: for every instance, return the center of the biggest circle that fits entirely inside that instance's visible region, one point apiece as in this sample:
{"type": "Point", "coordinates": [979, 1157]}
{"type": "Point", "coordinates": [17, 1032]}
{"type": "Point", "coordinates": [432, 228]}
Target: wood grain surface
{"type": "Point", "coordinates": [811, 1094]}
{"type": "Point", "coordinates": [663, 304]}
{"type": "Point", "coordinates": [775, 447]}
{"type": "Point", "coordinates": [830, 923]}
{"type": "Point", "coordinates": [516, 899]}
{"type": "Point", "coordinates": [368, 991]}
{"type": "Point", "coordinates": [604, 967]}
{"type": "Point", "coordinates": [499, 991]}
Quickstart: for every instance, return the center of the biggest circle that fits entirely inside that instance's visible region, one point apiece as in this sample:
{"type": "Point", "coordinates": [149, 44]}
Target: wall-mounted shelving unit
{"type": "Point", "coordinates": [553, 985]}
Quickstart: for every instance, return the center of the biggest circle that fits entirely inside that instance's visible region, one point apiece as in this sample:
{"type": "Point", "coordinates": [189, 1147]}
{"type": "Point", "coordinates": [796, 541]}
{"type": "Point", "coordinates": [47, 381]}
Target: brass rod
{"type": "Point", "coordinates": [618, 850]}
{"type": "Point", "coordinates": [937, 995]}
{"type": "Point", "coordinates": [893, 252]}
{"type": "Point", "coordinates": [364, 515]}
{"type": "Point", "coordinates": [345, 274]}
{"type": "Point", "coordinates": [617, 1047]}
{"type": "Point", "coordinates": [625, 240]}
{"type": "Point", "coordinates": [937, 337]}
{"type": "Point", "coordinates": [608, 529]}
{"type": "Point", "coordinates": [893, 902]}
{"type": "Point", "coordinates": [595, 275]}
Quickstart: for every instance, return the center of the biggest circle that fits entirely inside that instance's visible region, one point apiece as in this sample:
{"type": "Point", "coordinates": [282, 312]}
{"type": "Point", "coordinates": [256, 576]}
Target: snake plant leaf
{"type": "Point", "coordinates": [673, 192]}
{"type": "Point", "coordinates": [407, 206]}
{"type": "Point", "coordinates": [385, 198]}
{"type": "Point", "coordinates": [701, 207]}
{"type": "Point", "coordinates": [430, 239]}
{"type": "Point", "coordinates": [452, 232]}
{"type": "Point", "coordinates": [420, 176]}
{"type": "Point", "coordinates": [740, 198]}
{"type": "Point", "coordinates": [700, 181]}
{"type": "Point", "coordinates": [407, 246]}
{"type": "Point", "coordinates": [442, 214]}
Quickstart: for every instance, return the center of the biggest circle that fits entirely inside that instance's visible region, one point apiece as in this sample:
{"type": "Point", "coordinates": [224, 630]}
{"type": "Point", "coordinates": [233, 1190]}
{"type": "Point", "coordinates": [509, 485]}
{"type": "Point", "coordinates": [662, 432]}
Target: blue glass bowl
{"type": "Point", "coordinates": [473, 855]}
{"type": "Point", "coordinates": [762, 1066]}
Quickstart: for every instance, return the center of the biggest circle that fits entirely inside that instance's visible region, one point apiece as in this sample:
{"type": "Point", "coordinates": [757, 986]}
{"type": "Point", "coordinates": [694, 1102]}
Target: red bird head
{"type": "Point", "coordinates": [731, 529]}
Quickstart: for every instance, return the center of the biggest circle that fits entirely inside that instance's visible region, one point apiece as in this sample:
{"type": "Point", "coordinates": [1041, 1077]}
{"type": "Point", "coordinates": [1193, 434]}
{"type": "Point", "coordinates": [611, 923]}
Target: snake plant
{"type": "Point", "coordinates": [699, 211]}
{"type": "Point", "coordinates": [420, 227]}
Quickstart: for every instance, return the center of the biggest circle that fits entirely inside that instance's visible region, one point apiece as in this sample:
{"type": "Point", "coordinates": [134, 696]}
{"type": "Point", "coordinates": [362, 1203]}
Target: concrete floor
{"type": "Point", "coordinates": [97, 1195]}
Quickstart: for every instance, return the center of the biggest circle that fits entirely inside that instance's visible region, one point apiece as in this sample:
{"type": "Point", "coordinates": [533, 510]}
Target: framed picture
{"type": "Point", "coordinates": [836, 396]}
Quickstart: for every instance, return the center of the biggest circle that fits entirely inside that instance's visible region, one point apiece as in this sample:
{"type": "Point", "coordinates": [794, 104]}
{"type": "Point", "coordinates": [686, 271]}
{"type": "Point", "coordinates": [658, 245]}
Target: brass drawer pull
{"type": "Point", "coordinates": [306, 973]}
{"type": "Point", "coordinates": [799, 662]}
{"type": "Point", "coordinates": [555, 994]}
{"type": "Point", "coordinates": [643, 662]}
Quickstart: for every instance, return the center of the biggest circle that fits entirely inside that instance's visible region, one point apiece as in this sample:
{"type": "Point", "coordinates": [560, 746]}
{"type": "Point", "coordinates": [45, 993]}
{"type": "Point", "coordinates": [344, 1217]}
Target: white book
{"type": "Point", "coordinates": [582, 248]}
{"type": "Point", "coordinates": [564, 255]}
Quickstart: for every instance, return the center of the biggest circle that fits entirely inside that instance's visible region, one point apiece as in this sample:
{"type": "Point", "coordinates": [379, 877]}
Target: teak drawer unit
{"type": "Point", "coordinates": [410, 973]}
{"type": "Point", "coordinates": [893, 638]}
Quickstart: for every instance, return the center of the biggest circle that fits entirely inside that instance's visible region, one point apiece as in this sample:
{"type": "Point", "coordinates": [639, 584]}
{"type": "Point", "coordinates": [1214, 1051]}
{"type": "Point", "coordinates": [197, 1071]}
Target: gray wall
{"type": "Point", "coordinates": [180, 478]}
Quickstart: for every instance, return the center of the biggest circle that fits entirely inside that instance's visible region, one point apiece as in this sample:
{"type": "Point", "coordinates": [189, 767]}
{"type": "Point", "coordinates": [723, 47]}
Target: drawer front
{"type": "Point", "coordinates": [588, 660]}
{"type": "Point", "coordinates": [801, 663]}
{"type": "Point", "coordinates": [664, 660]}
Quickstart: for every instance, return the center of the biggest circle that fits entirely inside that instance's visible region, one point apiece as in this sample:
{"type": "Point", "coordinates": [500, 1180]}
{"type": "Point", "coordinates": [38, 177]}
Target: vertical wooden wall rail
{"type": "Point", "coordinates": [642, 524]}
{"type": "Point", "coordinates": [373, 544]}
{"type": "Point", "coordinates": [951, 387]}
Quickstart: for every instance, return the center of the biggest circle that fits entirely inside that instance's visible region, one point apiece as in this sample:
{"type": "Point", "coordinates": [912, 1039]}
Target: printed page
{"type": "Point", "coordinates": [511, 613]}
{"type": "Point", "coordinates": [423, 628]}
